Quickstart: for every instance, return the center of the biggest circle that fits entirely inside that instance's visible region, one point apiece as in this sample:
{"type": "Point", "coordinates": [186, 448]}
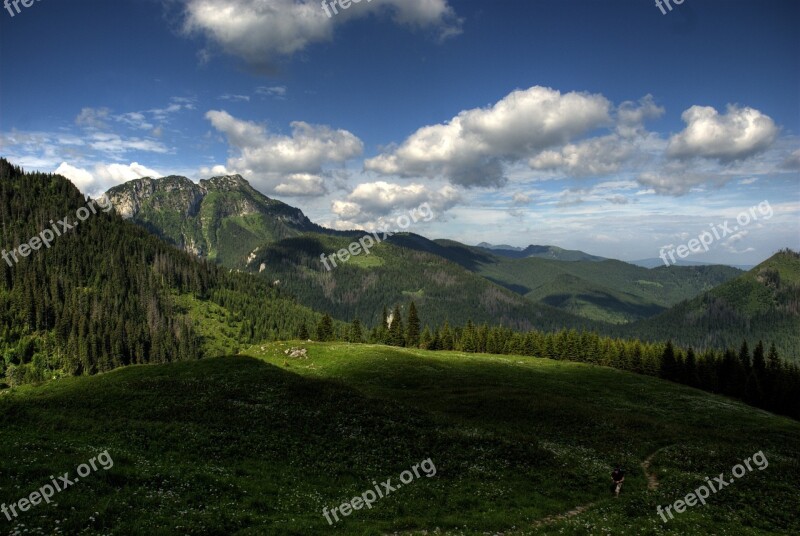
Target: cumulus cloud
{"type": "Point", "coordinates": [374, 201]}
{"type": "Point", "coordinates": [596, 156]}
{"type": "Point", "coordinates": [631, 116]}
{"type": "Point", "coordinates": [471, 148]}
{"type": "Point", "coordinates": [104, 176]}
{"type": "Point", "coordinates": [604, 155]}
{"type": "Point", "coordinates": [261, 31]}
{"type": "Point", "coordinates": [288, 165]}
{"type": "Point", "coordinates": [736, 135]}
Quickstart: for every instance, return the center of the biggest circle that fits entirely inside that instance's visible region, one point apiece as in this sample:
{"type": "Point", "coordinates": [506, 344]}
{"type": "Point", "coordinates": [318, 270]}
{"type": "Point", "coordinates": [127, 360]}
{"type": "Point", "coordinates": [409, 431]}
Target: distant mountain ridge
{"type": "Point", "coordinates": [541, 252]}
{"type": "Point", "coordinates": [655, 262]}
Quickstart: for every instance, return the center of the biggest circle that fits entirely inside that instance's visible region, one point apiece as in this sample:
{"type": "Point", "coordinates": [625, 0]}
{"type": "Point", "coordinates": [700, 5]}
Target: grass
{"type": "Point", "coordinates": [260, 443]}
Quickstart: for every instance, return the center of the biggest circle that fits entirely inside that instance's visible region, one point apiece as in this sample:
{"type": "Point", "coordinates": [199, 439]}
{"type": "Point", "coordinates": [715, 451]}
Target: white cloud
{"type": "Point", "coordinates": [593, 157]}
{"type": "Point", "coordinates": [471, 148]}
{"type": "Point", "coordinates": [261, 31]}
{"type": "Point", "coordinates": [302, 184]}
{"type": "Point", "coordinates": [736, 135]}
{"type": "Point", "coordinates": [104, 176]}
{"type": "Point", "coordinates": [369, 202]}
{"type": "Point", "coordinates": [631, 116]}
{"type": "Point", "coordinates": [81, 178]}
{"type": "Point", "coordinates": [288, 165]}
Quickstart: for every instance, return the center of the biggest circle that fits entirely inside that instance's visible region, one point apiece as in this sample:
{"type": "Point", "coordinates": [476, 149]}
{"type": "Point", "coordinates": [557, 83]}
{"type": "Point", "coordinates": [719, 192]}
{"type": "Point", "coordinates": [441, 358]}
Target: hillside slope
{"type": "Point", "coordinates": [246, 446]}
{"type": "Point", "coordinates": [394, 274]}
{"type": "Point", "coordinates": [763, 303]}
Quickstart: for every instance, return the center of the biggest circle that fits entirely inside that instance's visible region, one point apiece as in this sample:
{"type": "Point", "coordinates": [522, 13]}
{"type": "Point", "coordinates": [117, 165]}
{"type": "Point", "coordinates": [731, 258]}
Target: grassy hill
{"type": "Point", "coordinates": [261, 443]}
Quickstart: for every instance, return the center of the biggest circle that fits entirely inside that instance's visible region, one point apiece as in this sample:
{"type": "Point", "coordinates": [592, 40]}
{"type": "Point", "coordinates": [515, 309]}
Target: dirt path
{"type": "Point", "coordinates": [652, 479]}
{"type": "Point", "coordinates": [652, 484]}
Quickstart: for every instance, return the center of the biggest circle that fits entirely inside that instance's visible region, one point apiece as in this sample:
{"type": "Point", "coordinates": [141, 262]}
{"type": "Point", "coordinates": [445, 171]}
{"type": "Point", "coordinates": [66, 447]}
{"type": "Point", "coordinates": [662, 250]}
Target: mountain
{"type": "Point", "coordinates": [543, 252]}
{"type": "Point", "coordinates": [763, 303]}
{"type": "Point", "coordinates": [486, 245]}
{"type": "Point", "coordinates": [222, 218]}
{"type": "Point", "coordinates": [656, 263]}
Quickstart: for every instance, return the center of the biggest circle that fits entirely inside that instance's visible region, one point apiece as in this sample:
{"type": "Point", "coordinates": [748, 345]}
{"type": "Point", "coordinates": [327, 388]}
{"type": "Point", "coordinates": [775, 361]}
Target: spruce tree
{"type": "Point", "coordinates": [356, 334]}
{"type": "Point", "coordinates": [325, 329]}
{"type": "Point", "coordinates": [412, 331]}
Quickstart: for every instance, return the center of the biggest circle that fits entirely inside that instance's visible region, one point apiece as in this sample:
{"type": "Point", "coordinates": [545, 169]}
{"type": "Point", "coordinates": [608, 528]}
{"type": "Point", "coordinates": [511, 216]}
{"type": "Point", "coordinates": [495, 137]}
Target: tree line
{"type": "Point", "coordinates": [758, 377]}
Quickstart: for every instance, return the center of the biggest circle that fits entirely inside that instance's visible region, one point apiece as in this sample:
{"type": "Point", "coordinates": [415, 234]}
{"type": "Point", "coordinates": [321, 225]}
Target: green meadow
{"type": "Point", "coordinates": [260, 443]}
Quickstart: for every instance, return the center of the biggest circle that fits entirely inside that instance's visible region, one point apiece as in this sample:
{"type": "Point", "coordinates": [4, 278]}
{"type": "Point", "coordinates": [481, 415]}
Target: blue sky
{"type": "Point", "coordinates": [605, 126]}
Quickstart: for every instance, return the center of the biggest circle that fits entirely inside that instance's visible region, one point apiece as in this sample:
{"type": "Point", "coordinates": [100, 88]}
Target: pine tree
{"type": "Point", "coordinates": [325, 328]}
{"type": "Point", "coordinates": [302, 333]}
{"type": "Point", "coordinates": [426, 339]}
{"type": "Point", "coordinates": [356, 334]}
{"type": "Point", "coordinates": [412, 331]}
{"type": "Point", "coordinates": [397, 336]}
{"type": "Point", "coordinates": [669, 363]}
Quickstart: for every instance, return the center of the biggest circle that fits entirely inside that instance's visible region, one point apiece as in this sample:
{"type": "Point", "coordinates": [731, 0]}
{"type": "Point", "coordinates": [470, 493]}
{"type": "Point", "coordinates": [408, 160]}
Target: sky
{"type": "Point", "coordinates": [607, 126]}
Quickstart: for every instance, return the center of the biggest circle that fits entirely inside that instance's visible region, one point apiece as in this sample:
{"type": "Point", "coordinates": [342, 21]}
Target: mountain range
{"type": "Point", "coordinates": [226, 221]}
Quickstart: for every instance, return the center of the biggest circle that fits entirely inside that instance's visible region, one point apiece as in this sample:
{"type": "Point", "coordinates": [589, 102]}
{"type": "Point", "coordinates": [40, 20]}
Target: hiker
{"type": "Point", "coordinates": [618, 476]}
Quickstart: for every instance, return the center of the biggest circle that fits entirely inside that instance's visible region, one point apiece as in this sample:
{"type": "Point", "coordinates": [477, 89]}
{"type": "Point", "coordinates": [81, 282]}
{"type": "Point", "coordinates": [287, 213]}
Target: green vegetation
{"type": "Point", "coordinates": [260, 446]}
{"type": "Point", "coordinates": [608, 291]}
{"type": "Point", "coordinates": [444, 290]}
{"type": "Point", "coordinates": [109, 294]}
{"type": "Point", "coordinates": [763, 303]}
